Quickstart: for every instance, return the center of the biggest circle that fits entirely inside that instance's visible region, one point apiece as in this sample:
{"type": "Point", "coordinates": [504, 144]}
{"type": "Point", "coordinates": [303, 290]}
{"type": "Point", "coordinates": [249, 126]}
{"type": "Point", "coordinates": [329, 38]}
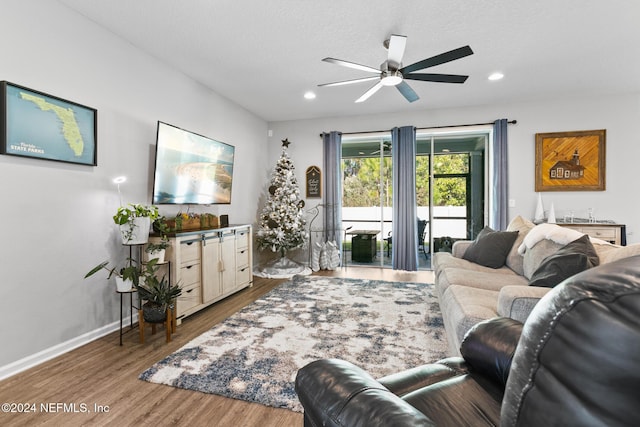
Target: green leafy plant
{"type": "Point", "coordinates": [151, 247]}
{"type": "Point", "coordinates": [130, 272]}
{"type": "Point", "coordinates": [154, 288]}
{"type": "Point", "coordinates": [126, 214]}
{"type": "Point", "coordinates": [160, 226]}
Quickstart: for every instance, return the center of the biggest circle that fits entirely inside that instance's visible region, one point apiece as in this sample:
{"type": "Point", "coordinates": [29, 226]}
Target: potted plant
{"type": "Point", "coordinates": [135, 221]}
{"type": "Point", "coordinates": [156, 250]}
{"type": "Point", "coordinates": [126, 277]}
{"type": "Point", "coordinates": [157, 293]}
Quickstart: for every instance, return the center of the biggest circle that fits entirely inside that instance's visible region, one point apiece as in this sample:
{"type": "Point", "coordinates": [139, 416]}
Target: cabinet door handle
{"type": "Point", "coordinates": [189, 291]}
{"type": "Point", "coordinates": [188, 267]}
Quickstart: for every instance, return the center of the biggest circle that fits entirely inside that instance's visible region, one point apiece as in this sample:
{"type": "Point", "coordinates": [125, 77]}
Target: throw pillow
{"type": "Point", "coordinates": [571, 259]}
{"type": "Point", "coordinates": [515, 260]}
{"type": "Point", "coordinates": [491, 247]}
{"type": "Point", "coordinates": [534, 256]}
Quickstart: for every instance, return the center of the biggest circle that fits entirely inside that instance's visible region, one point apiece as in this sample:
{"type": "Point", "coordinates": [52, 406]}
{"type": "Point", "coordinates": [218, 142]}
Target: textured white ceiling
{"type": "Point", "coordinates": [265, 54]}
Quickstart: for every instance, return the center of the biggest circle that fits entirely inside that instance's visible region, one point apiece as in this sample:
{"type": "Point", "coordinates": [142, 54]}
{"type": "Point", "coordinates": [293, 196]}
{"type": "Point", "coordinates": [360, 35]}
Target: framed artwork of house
{"type": "Point", "coordinates": [571, 161]}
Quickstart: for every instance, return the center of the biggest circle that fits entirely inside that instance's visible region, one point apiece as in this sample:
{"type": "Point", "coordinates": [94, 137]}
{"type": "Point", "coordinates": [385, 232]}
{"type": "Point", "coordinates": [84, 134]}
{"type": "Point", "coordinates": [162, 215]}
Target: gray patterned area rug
{"type": "Point", "coordinates": [383, 327]}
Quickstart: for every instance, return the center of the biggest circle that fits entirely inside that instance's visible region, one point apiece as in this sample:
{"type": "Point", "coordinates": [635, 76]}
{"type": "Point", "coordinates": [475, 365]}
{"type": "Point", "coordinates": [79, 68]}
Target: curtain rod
{"type": "Point", "coordinates": [512, 122]}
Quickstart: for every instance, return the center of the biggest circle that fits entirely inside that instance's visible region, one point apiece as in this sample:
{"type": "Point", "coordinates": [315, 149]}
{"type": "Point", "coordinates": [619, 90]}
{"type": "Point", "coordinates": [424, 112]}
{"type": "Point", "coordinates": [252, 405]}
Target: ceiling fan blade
{"type": "Point", "coordinates": [440, 78]}
{"type": "Point", "coordinates": [370, 92]}
{"type": "Point", "coordinates": [452, 55]}
{"type": "Point", "coordinates": [396, 50]}
{"type": "Point", "coordinates": [352, 65]}
{"type": "Point", "coordinates": [407, 92]}
{"type": "Point", "coordinates": [348, 82]}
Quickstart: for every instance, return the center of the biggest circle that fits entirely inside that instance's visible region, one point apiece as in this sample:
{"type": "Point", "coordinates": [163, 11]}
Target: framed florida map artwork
{"type": "Point", "coordinates": [571, 161]}
{"type": "Point", "coordinates": [34, 124]}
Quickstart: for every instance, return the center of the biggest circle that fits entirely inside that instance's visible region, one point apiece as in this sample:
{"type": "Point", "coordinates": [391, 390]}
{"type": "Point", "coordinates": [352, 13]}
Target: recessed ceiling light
{"type": "Point", "coordinates": [496, 76]}
{"type": "Point", "coordinates": [309, 95]}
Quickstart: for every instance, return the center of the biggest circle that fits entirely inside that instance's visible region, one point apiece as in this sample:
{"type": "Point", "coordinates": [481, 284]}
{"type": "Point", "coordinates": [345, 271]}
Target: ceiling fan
{"type": "Point", "coordinates": [392, 73]}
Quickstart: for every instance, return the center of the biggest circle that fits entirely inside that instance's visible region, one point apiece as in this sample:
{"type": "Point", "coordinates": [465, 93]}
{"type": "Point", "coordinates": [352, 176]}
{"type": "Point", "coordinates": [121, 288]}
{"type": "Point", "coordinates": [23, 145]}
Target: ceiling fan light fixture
{"type": "Point", "coordinates": [393, 73]}
{"type": "Point", "coordinates": [391, 78]}
{"type": "Point", "coordinates": [496, 76]}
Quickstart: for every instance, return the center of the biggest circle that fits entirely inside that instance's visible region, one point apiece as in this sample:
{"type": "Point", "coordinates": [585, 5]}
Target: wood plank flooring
{"type": "Point", "coordinates": [99, 383]}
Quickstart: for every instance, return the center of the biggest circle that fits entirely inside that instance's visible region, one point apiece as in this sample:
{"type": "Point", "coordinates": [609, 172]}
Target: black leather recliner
{"type": "Point", "coordinates": [575, 362]}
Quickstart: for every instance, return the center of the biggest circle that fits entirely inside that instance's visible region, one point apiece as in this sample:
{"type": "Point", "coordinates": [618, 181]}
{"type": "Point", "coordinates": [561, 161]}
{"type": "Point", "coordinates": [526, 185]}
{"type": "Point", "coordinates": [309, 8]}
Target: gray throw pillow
{"type": "Point", "coordinates": [491, 247]}
{"type": "Point", "coordinates": [571, 259]}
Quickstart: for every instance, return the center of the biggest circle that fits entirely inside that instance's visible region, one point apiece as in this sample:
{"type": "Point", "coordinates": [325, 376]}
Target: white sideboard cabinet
{"type": "Point", "coordinates": [210, 265]}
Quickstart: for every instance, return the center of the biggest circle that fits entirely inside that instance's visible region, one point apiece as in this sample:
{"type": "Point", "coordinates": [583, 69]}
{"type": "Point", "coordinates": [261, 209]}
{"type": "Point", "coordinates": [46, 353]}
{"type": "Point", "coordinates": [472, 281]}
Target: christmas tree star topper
{"type": "Point", "coordinates": [286, 142]}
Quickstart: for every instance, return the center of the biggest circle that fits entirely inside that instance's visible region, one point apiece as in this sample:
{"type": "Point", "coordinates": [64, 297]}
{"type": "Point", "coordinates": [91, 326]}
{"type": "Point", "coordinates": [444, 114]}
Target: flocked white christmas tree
{"type": "Point", "coordinates": [282, 225]}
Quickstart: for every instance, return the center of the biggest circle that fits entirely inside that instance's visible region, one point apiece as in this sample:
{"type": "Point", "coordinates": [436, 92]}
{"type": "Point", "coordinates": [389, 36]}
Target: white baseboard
{"type": "Point", "coordinates": [59, 349]}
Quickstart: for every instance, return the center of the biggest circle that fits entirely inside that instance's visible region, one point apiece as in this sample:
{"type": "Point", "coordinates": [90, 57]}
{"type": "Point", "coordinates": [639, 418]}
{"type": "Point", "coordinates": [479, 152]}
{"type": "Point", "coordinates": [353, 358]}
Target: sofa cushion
{"type": "Point", "coordinates": [516, 302]}
{"type": "Point", "coordinates": [514, 259]}
{"type": "Point", "coordinates": [534, 256]}
{"type": "Point", "coordinates": [571, 259]}
{"type": "Point", "coordinates": [462, 307]}
{"type": "Point", "coordinates": [610, 253]}
{"type": "Point", "coordinates": [491, 247]}
{"type": "Point", "coordinates": [489, 280]}
{"type": "Point", "coordinates": [444, 261]}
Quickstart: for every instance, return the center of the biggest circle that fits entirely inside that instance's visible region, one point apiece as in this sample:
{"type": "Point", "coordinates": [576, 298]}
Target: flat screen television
{"type": "Point", "coordinates": [191, 168]}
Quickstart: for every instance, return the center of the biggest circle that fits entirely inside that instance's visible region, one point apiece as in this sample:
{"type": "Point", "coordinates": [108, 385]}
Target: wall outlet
{"type": "Point", "coordinates": [512, 203]}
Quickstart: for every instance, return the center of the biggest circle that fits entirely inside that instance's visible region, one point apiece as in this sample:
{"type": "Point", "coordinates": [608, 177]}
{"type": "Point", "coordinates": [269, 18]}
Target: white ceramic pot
{"type": "Point", "coordinates": [158, 254]}
{"type": "Point", "coordinates": [123, 285]}
{"type": "Point", "coordinates": [136, 232]}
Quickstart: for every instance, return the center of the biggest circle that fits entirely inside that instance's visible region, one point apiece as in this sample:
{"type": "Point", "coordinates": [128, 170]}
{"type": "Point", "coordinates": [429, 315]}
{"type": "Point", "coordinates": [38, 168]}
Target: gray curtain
{"type": "Point", "coordinates": [499, 186]}
{"type": "Point", "coordinates": [404, 250]}
{"type": "Point", "coordinates": [332, 186]}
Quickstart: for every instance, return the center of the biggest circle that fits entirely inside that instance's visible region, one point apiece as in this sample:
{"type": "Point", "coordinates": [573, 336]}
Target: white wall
{"type": "Point", "coordinates": [56, 217]}
{"type": "Point", "coordinates": [618, 114]}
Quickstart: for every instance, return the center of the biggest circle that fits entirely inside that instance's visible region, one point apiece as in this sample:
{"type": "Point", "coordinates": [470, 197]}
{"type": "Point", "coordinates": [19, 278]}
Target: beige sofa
{"type": "Point", "coordinates": [469, 292]}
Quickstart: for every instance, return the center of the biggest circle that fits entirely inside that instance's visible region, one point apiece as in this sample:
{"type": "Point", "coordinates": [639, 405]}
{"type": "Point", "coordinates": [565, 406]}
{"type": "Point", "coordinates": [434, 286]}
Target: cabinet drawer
{"type": "Point", "coordinates": [189, 251]}
{"type": "Point", "coordinates": [243, 275]}
{"type": "Point", "coordinates": [242, 257]}
{"type": "Point", "coordinates": [190, 298]}
{"type": "Point", "coordinates": [242, 238]}
{"type": "Point", "coordinates": [601, 233]}
{"type": "Point", "coordinates": [190, 274]}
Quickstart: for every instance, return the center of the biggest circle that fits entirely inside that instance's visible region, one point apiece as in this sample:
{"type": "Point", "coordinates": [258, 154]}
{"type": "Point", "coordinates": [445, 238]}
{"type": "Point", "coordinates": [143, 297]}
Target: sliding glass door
{"type": "Point", "coordinates": [450, 189]}
{"type": "Point", "coordinates": [367, 198]}
{"type": "Point", "coordinates": [456, 183]}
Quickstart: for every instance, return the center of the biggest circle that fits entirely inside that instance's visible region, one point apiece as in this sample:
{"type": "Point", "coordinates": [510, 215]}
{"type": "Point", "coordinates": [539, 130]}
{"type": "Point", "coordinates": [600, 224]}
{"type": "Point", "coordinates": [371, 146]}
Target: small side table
{"type": "Point", "coordinates": [363, 245]}
{"type": "Point", "coordinates": [122, 294]}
